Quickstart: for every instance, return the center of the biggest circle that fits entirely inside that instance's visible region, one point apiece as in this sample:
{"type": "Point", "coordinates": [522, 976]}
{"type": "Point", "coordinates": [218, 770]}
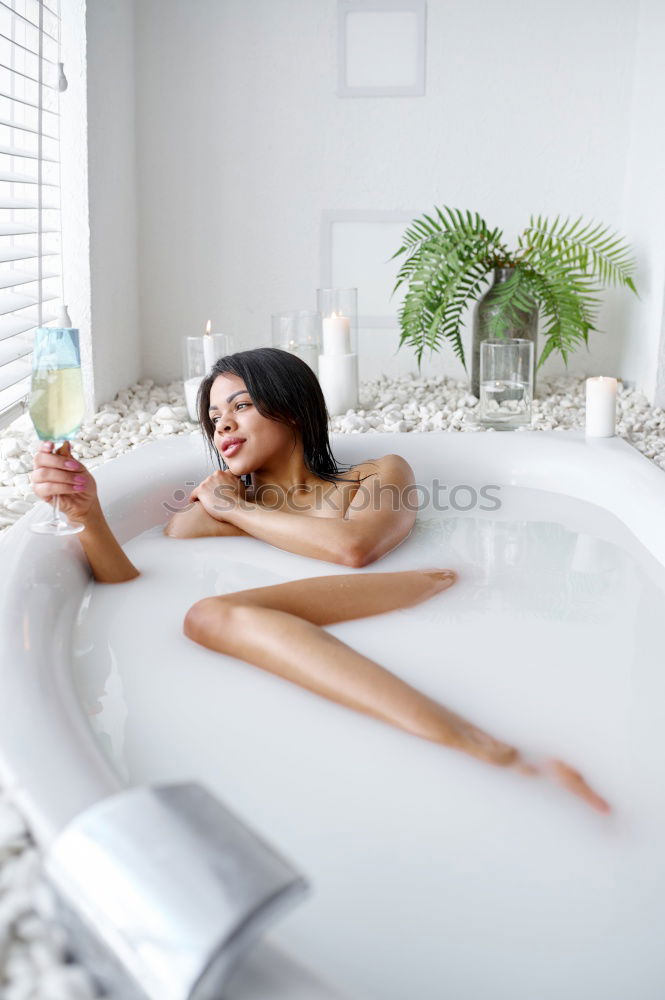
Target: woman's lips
{"type": "Point", "coordinates": [233, 448]}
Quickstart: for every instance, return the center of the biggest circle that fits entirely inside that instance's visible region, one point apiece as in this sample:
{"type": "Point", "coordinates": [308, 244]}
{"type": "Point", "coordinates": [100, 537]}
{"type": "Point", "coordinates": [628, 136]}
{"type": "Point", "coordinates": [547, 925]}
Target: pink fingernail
{"type": "Point", "coordinates": [70, 464]}
{"type": "Point", "coordinates": [79, 486]}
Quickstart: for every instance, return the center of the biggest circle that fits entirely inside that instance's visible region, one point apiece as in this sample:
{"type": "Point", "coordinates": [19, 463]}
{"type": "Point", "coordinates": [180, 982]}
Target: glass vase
{"type": "Point", "coordinates": [486, 308]}
{"type": "Point", "coordinates": [299, 332]}
{"type": "Point", "coordinates": [506, 371]}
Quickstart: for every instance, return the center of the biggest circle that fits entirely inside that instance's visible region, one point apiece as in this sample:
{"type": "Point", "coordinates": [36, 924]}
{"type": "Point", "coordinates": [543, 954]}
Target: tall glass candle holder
{"type": "Point", "coordinates": [298, 332]}
{"type": "Point", "coordinates": [198, 356]}
{"type": "Point", "coordinates": [506, 382]}
{"type": "Point", "coordinates": [338, 361]}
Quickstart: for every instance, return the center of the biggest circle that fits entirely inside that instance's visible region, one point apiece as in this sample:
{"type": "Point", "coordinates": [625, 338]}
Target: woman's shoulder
{"type": "Point", "coordinates": [388, 468]}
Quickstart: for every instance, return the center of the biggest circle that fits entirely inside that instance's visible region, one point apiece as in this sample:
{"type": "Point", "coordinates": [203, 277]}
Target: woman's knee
{"type": "Point", "coordinates": [211, 615]}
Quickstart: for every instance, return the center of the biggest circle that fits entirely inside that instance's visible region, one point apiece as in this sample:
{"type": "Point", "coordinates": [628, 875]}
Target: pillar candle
{"type": "Point", "coordinates": [336, 335]}
{"type": "Point", "coordinates": [601, 398]}
{"type": "Point", "coordinates": [208, 348]}
{"type": "Point", "coordinates": [338, 378]}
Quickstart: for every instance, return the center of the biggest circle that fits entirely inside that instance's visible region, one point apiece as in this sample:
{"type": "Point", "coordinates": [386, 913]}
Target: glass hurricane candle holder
{"type": "Point", "coordinates": [506, 382]}
{"type": "Point", "coordinates": [198, 356]}
{"type": "Point", "coordinates": [298, 332]}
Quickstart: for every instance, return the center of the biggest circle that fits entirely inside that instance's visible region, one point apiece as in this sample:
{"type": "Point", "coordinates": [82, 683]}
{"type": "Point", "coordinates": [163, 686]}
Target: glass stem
{"type": "Point", "coordinates": [57, 516]}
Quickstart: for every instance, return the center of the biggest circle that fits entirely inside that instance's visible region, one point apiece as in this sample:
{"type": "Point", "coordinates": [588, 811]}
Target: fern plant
{"type": "Point", "coordinates": [558, 266]}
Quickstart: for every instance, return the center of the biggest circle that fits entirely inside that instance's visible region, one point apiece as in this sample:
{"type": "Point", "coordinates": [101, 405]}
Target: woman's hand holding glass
{"type": "Point", "coordinates": [63, 476]}
{"type": "Point", "coordinates": [56, 401]}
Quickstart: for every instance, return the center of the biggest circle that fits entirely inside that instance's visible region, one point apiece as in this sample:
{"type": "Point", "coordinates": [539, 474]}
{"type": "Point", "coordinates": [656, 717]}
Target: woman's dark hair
{"type": "Point", "coordinates": [284, 388]}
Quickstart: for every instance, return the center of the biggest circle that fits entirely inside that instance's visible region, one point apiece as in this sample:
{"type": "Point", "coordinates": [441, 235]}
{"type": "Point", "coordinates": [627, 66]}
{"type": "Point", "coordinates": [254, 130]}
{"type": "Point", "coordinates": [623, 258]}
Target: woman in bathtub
{"type": "Point", "coordinates": [263, 412]}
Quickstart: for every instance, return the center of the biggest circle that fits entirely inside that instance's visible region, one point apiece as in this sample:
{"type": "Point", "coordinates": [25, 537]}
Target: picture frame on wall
{"type": "Point", "coordinates": [381, 48]}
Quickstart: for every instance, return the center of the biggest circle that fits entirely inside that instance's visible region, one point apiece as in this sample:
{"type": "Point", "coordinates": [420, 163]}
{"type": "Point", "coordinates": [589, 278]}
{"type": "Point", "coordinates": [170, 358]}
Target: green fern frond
{"type": "Point", "coordinates": [574, 244]}
{"type": "Point", "coordinates": [452, 235]}
{"type": "Point", "coordinates": [568, 315]}
{"type": "Point", "coordinates": [433, 307]}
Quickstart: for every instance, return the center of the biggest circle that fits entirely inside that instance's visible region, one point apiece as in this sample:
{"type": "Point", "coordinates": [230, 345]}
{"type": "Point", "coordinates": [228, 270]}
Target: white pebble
{"type": "Point", "coordinates": [24, 989]}
{"type": "Point", "coordinates": [352, 423]}
{"type": "Point", "coordinates": [66, 982]}
{"type": "Point", "coordinates": [44, 953]}
{"type": "Point", "coordinates": [20, 506]}
{"type": "Point", "coordinates": [105, 419]}
{"type": "Point", "coordinates": [164, 413]}
{"type": "Point", "coordinates": [12, 826]}
{"type": "Point", "coordinates": [13, 905]}
{"type": "Point", "coordinates": [9, 447]}
{"type": "Point", "coordinates": [44, 902]}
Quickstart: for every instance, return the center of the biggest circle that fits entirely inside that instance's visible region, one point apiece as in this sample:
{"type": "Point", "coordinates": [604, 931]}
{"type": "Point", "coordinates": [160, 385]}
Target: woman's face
{"type": "Point", "coordinates": [236, 419]}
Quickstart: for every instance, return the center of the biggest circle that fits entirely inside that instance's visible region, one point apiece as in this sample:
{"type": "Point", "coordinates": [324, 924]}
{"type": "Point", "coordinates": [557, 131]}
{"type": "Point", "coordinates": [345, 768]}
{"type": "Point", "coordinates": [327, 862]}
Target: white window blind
{"type": "Point", "coordinates": [30, 245]}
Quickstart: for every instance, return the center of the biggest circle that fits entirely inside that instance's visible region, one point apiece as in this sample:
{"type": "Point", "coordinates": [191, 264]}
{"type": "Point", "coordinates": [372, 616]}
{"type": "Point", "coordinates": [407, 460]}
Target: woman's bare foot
{"type": "Point", "coordinates": [566, 776]}
{"type": "Point", "coordinates": [571, 779]}
{"type": "Point", "coordinates": [478, 743]}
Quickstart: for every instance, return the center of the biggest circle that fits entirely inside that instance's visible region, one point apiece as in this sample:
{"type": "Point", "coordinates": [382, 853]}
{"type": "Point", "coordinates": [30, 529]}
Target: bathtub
{"type": "Point", "coordinates": [433, 874]}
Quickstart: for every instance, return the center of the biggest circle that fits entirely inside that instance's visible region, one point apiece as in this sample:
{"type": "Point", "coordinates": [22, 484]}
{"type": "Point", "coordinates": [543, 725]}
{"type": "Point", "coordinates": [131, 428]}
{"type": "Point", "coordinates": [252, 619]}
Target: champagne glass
{"type": "Point", "coordinates": [56, 403]}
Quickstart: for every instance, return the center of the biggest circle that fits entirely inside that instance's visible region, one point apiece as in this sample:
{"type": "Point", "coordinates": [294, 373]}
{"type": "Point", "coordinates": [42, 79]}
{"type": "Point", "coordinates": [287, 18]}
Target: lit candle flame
{"type": "Point", "coordinates": [208, 328]}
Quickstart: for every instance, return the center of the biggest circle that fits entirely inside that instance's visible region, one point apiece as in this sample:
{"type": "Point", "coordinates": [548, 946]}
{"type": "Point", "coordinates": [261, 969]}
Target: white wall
{"type": "Point", "coordinates": [112, 193]}
{"type": "Point", "coordinates": [644, 211]}
{"type": "Point", "coordinates": [242, 143]}
{"type": "Point", "coordinates": [74, 180]}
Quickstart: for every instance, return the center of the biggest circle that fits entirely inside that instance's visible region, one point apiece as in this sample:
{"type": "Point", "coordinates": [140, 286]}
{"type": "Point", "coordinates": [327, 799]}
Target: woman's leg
{"type": "Point", "coordinates": [278, 628]}
{"type": "Point", "coordinates": [327, 600]}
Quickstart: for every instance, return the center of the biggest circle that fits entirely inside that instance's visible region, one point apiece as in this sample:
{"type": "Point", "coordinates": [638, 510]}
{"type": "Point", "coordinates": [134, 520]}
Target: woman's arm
{"type": "Point", "coordinates": [196, 522]}
{"type": "Point", "coordinates": [377, 520]}
{"type": "Point", "coordinates": [108, 561]}
{"type": "Point", "coordinates": [62, 475]}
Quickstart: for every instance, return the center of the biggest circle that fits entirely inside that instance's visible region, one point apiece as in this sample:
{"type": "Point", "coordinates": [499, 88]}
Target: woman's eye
{"type": "Point", "coordinates": [215, 419]}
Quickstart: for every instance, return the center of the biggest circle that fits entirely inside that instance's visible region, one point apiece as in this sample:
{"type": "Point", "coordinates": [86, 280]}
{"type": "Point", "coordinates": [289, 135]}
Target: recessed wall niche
{"type": "Point", "coordinates": [381, 48]}
{"type": "Point", "coordinates": [356, 251]}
